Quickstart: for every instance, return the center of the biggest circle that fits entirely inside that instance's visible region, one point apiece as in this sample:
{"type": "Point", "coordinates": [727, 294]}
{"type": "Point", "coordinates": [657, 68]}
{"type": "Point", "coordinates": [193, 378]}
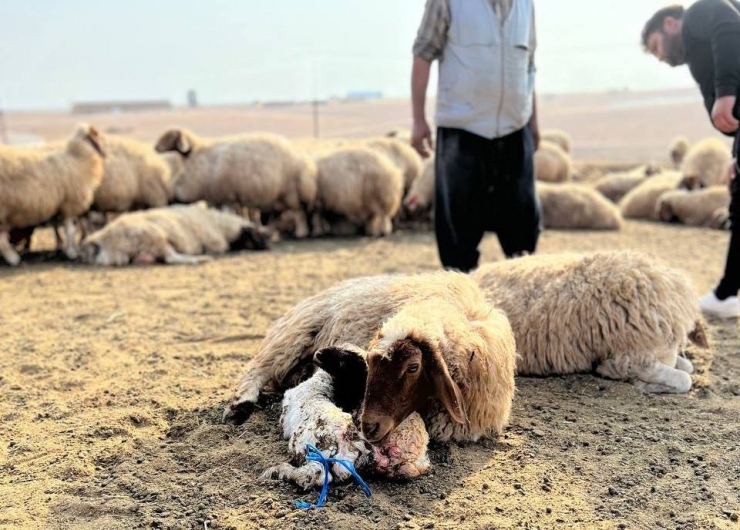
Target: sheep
{"type": "Point", "coordinates": [256, 171]}
{"type": "Point", "coordinates": [694, 208]}
{"type": "Point", "coordinates": [621, 313]}
{"type": "Point", "coordinates": [614, 186]}
{"type": "Point", "coordinates": [399, 133]}
{"type": "Point", "coordinates": [560, 138]}
{"type": "Point", "coordinates": [679, 147]}
{"type": "Point", "coordinates": [458, 351]}
{"type": "Point", "coordinates": [175, 235]}
{"type": "Point", "coordinates": [706, 163]}
{"type": "Point", "coordinates": [403, 156]}
{"type": "Point", "coordinates": [552, 164]}
{"type": "Point", "coordinates": [359, 185]}
{"type": "Point", "coordinates": [576, 206]}
{"type": "Point", "coordinates": [420, 198]}
{"type": "Point", "coordinates": [320, 411]}
{"type": "Point", "coordinates": [641, 201]}
{"type": "Point", "coordinates": [40, 185]}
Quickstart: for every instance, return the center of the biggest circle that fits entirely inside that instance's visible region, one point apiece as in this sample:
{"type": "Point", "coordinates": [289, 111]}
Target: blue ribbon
{"type": "Point", "coordinates": [314, 455]}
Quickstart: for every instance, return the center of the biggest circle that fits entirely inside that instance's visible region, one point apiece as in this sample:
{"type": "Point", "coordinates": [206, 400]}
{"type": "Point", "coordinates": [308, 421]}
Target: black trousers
{"type": "Point", "coordinates": [730, 284]}
{"type": "Point", "coordinates": [484, 185]}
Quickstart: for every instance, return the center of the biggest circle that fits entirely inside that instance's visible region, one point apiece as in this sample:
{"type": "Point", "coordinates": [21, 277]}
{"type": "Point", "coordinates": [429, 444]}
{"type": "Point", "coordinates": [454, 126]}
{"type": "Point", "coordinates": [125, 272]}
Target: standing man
{"type": "Point", "coordinates": [707, 38]}
{"type": "Point", "coordinates": [486, 124]}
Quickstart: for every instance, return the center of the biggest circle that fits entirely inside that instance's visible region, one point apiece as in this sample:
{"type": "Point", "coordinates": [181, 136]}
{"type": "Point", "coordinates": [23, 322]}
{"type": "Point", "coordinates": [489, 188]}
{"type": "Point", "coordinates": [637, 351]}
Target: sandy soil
{"type": "Point", "coordinates": [113, 383]}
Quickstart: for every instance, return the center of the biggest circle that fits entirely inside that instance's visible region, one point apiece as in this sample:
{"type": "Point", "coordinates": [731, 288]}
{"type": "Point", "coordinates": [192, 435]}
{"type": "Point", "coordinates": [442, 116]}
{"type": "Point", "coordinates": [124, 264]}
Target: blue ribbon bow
{"type": "Point", "coordinates": [314, 455]}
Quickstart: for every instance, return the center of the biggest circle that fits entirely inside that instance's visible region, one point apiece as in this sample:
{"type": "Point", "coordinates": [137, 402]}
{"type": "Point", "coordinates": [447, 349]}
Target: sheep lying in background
{"type": "Point", "coordinates": [621, 313]}
{"type": "Point", "coordinates": [434, 346]}
{"type": "Point", "coordinates": [706, 163]}
{"type": "Point", "coordinates": [263, 172]}
{"type": "Point", "coordinates": [560, 138]}
{"type": "Point", "coordinates": [174, 235]}
{"type": "Point", "coordinates": [320, 411]}
{"type": "Point", "coordinates": [614, 186]}
{"type": "Point", "coordinates": [403, 156]}
{"type": "Point", "coordinates": [552, 164]}
{"type": "Point", "coordinates": [641, 201]}
{"type": "Point", "coordinates": [576, 206]}
{"type": "Point", "coordinates": [360, 186]}
{"type": "Point", "coordinates": [38, 185]}
{"type": "Point", "coordinates": [695, 208]}
{"type": "Point", "coordinates": [679, 147]}
{"type": "Point", "coordinates": [420, 198]}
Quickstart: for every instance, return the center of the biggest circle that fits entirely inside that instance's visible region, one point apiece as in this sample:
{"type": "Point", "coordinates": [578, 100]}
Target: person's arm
{"type": "Point", "coordinates": [428, 46]}
{"type": "Point", "coordinates": [421, 134]}
{"type": "Point", "coordinates": [725, 36]}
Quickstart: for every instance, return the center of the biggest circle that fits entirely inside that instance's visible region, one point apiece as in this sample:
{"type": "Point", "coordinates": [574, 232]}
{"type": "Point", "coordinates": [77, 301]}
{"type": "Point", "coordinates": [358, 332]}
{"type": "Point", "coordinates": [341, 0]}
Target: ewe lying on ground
{"type": "Point", "coordinates": [695, 208]}
{"type": "Point", "coordinates": [706, 163]}
{"type": "Point", "coordinates": [40, 185]}
{"type": "Point", "coordinates": [321, 411]}
{"type": "Point", "coordinates": [552, 164]}
{"type": "Point", "coordinates": [614, 186]}
{"type": "Point", "coordinates": [434, 346]}
{"type": "Point", "coordinates": [621, 313]}
{"type": "Point", "coordinates": [178, 234]}
{"type": "Point", "coordinates": [264, 172]}
{"type": "Point", "coordinates": [560, 138]}
{"type": "Point", "coordinates": [641, 201]}
{"type": "Point", "coordinates": [576, 206]}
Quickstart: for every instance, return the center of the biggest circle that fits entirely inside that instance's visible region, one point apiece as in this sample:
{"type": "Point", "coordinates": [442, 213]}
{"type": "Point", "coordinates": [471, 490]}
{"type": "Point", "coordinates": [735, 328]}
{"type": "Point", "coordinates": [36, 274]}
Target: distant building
{"type": "Point", "coordinates": [363, 95]}
{"type": "Point", "coordinates": [118, 107]}
{"type": "Point", "coordinates": [192, 99]}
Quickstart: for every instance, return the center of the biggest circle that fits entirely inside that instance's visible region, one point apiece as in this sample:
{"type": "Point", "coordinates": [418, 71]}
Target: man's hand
{"type": "Point", "coordinates": [421, 138]}
{"type": "Point", "coordinates": [722, 114]}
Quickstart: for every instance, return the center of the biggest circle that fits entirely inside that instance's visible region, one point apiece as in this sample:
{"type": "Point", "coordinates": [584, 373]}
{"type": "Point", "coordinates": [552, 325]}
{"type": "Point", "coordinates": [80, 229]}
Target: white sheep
{"type": "Point", "coordinates": [695, 208]}
{"type": "Point", "coordinates": [614, 186]}
{"type": "Point", "coordinates": [706, 163]}
{"type": "Point", "coordinates": [40, 185]}
{"type": "Point", "coordinates": [552, 164]}
{"type": "Point", "coordinates": [678, 149]}
{"type": "Point", "coordinates": [452, 353]}
{"type": "Point", "coordinates": [360, 186]}
{"type": "Point", "coordinates": [320, 411]}
{"type": "Point", "coordinates": [178, 234]}
{"type": "Point", "coordinates": [572, 206]}
{"type": "Point", "coordinates": [420, 198]}
{"type": "Point", "coordinates": [264, 172]}
{"type": "Point", "coordinates": [403, 156]}
{"type": "Point", "coordinates": [641, 201]}
{"type": "Point", "coordinates": [558, 137]}
{"type": "Point", "coordinates": [620, 313]}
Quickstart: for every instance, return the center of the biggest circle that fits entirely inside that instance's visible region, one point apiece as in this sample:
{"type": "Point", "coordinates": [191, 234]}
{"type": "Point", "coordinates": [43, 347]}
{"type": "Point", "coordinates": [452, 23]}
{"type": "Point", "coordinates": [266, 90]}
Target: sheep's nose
{"type": "Point", "coordinates": [370, 429]}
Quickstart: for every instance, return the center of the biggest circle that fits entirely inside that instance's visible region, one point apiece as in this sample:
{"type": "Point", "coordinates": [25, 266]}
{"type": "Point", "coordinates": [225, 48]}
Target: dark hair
{"type": "Point", "coordinates": [656, 21]}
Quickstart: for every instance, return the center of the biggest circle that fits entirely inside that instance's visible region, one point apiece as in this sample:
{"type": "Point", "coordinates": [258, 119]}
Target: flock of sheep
{"type": "Point", "coordinates": [299, 189]}
{"type": "Point", "coordinates": [377, 367]}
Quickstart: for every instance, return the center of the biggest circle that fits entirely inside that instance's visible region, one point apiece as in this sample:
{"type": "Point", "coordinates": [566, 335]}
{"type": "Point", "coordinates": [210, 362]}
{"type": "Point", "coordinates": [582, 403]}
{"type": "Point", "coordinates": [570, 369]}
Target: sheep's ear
{"type": "Point", "coordinates": [446, 389]}
{"type": "Point", "coordinates": [182, 143]}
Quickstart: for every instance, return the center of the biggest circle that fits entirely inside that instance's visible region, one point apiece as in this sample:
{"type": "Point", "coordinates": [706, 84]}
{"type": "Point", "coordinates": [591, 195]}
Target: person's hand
{"type": "Point", "coordinates": [421, 138]}
{"type": "Point", "coordinates": [722, 114]}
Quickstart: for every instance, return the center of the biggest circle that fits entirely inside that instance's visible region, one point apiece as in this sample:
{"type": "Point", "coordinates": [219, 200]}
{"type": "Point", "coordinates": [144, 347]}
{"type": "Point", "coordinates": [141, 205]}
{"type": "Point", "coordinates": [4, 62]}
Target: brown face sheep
{"type": "Point", "coordinates": [37, 185]}
{"type": "Point", "coordinates": [706, 162]}
{"type": "Point", "coordinates": [403, 156]}
{"type": "Point", "coordinates": [440, 317]}
{"type": "Point", "coordinates": [641, 201]}
{"type": "Point", "coordinates": [552, 164]}
{"type": "Point", "coordinates": [174, 235]}
{"type": "Point", "coordinates": [694, 208]}
{"type": "Point", "coordinates": [620, 313]}
{"type": "Point", "coordinates": [260, 171]}
{"type": "Point", "coordinates": [679, 147]}
{"type": "Point", "coordinates": [358, 185]}
{"type": "Point", "coordinates": [560, 138]}
{"type": "Point", "coordinates": [614, 186]}
{"type": "Point", "coordinates": [576, 207]}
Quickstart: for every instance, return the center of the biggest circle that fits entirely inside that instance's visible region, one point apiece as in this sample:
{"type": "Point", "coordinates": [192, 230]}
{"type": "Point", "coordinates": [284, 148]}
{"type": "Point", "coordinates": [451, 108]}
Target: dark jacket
{"type": "Point", "coordinates": [711, 38]}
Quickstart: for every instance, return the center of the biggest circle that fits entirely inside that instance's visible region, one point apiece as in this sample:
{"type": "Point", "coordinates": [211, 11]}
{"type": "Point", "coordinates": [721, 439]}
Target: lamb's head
{"type": "Point", "coordinates": [348, 368]}
{"type": "Point", "coordinates": [402, 378]}
{"type": "Point", "coordinates": [179, 140]}
{"type": "Point", "coordinates": [87, 139]}
{"type": "Point", "coordinates": [252, 237]}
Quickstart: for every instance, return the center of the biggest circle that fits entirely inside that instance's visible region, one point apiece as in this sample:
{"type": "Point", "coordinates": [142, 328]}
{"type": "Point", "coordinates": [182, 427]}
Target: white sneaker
{"type": "Point", "coordinates": [713, 306]}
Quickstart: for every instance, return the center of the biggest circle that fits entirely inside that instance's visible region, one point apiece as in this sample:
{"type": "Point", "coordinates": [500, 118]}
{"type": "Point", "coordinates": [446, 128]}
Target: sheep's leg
{"type": "Point", "coordinates": [374, 227]}
{"type": "Point", "coordinates": [301, 225]}
{"type": "Point", "coordinates": [310, 475]}
{"type": "Point", "coordinates": [172, 257]}
{"type": "Point", "coordinates": [58, 237]}
{"type": "Point", "coordinates": [683, 364]}
{"type": "Point", "coordinates": [7, 250]}
{"type": "Point", "coordinates": [658, 378]}
{"type": "Point", "coordinates": [70, 232]}
{"type": "Point", "coordinates": [387, 227]}
{"type": "Point", "coordinates": [319, 227]}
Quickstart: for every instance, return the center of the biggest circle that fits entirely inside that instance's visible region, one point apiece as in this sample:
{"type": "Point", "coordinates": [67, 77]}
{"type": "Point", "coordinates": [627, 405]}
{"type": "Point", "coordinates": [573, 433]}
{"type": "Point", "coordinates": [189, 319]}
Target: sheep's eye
{"type": "Point", "coordinates": [413, 368]}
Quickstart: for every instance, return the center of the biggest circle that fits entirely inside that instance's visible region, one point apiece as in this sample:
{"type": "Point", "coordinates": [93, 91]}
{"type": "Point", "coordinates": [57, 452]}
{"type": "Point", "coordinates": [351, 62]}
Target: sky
{"type": "Point", "coordinates": [56, 52]}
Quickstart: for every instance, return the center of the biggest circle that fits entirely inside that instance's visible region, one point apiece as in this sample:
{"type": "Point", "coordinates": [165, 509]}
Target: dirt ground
{"type": "Point", "coordinates": [113, 383]}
